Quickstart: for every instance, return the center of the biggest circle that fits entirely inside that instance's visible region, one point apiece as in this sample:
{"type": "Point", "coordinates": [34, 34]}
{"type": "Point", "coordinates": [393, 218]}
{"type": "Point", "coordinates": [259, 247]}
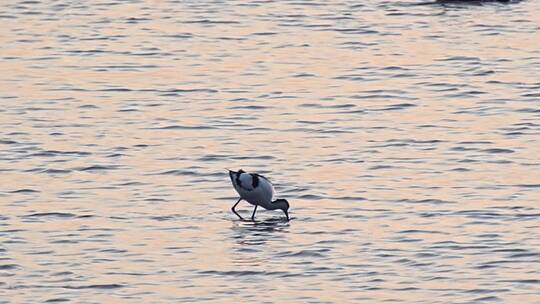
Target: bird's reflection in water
{"type": "Point", "coordinates": [252, 239]}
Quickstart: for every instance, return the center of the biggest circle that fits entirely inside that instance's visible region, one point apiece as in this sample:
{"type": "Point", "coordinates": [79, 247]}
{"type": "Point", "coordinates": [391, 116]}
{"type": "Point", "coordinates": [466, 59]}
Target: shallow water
{"type": "Point", "coordinates": [404, 134]}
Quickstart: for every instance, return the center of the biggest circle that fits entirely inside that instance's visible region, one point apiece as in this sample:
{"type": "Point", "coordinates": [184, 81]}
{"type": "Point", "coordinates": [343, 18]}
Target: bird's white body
{"type": "Point", "coordinates": [256, 190]}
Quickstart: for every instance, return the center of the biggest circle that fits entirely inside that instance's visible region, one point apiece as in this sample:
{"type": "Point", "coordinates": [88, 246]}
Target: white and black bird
{"type": "Point", "coordinates": [256, 190]}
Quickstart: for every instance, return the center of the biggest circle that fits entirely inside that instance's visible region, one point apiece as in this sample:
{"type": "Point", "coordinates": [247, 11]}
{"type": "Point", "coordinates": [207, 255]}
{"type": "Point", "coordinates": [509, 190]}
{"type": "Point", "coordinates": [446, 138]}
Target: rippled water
{"type": "Point", "coordinates": [404, 134]}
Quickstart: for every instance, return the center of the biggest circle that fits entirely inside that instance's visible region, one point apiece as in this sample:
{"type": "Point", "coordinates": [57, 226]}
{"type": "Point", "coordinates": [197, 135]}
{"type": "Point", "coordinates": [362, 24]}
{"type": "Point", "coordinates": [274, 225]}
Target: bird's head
{"type": "Point", "coordinates": [283, 204]}
{"type": "Point", "coordinates": [234, 174]}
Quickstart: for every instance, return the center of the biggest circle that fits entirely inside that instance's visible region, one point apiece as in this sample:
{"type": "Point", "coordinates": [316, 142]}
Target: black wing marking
{"type": "Point", "coordinates": [254, 180]}
{"type": "Point", "coordinates": [238, 182]}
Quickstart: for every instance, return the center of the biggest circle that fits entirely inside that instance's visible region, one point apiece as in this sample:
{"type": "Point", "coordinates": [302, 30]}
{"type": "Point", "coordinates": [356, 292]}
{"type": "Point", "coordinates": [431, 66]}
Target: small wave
{"type": "Point", "coordinates": [524, 255]}
{"type": "Point", "coordinates": [115, 155]}
{"type": "Point", "coordinates": [202, 90]}
{"type": "Point", "coordinates": [305, 253]}
{"type": "Point", "coordinates": [153, 199]}
{"type": "Point", "coordinates": [237, 273]}
{"type": "Point", "coordinates": [208, 21]}
{"type": "Point", "coordinates": [263, 157]}
{"type": "Point", "coordinates": [88, 106]}
{"type": "Point", "coordinates": [311, 197]}
{"type": "Point", "coordinates": [55, 171]}
{"type": "Point", "coordinates": [45, 252]}
{"type": "Point", "coordinates": [7, 142]}
{"type": "Point", "coordinates": [163, 218]}
{"type": "Point", "coordinates": [303, 75]}
{"type": "Point", "coordinates": [498, 150]}
{"type": "Point", "coordinates": [460, 58]}
{"type": "Point", "coordinates": [97, 168]}
{"type": "Point", "coordinates": [252, 107]}
{"type": "Point", "coordinates": [62, 273]}
{"type": "Point", "coordinates": [178, 172]}
{"type": "Point", "coordinates": [212, 157]}
{"type": "Point", "coordinates": [9, 267]}
{"type": "Point", "coordinates": [53, 153]}
{"type": "Point", "coordinates": [131, 183]}
{"type": "Point", "coordinates": [460, 169]}
{"type": "Point", "coordinates": [350, 198]}
{"type": "Point", "coordinates": [528, 185]}
{"type": "Point", "coordinates": [380, 167]}
{"type": "Point", "coordinates": [433, 201]}
{"type": "Point", "coordinates": [486, 299]}
{"type": "Point", "coordinates": [179, 36]}
{"type": "Point", "coordinates": [264, 34]}
{"type": "Point", "coordinates": [97, 286]}
{"type": "Point", "coordinates": [395, 107]}
{"type": "Point", "coordinates": [479, 142]}
{"type": "Point", "coordinates": [414, 231]}
{"type": "Point", "coordinates": [178, 127]}
{"type": "Point", "coordinates": [25, 191]}
{"type": "Point", "coordinates": [57, 300]}
{"type": "Point", "coordinates": [56, 215]}
{"type": "Point", "coordinates": [529, 281]}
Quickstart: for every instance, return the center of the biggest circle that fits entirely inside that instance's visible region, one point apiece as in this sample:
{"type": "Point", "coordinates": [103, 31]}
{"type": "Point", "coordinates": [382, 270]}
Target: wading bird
{"type": "Point", "coordinates": [256, 190]}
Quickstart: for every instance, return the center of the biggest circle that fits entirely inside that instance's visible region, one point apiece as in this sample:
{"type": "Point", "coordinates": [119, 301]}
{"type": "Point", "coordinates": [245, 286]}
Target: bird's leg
{"type": "Point", "coordinates": [253, 215]}
{"type": "Point", "coordinates": [234, 211]}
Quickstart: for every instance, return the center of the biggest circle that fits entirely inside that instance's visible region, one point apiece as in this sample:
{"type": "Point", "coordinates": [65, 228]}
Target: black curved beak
{"type": "Point", "coordinates": [286, 214]}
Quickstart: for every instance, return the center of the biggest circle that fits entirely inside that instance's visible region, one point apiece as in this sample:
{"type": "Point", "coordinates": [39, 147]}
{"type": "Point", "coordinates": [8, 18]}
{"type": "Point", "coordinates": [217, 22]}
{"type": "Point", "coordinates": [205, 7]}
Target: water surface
{"type": "Point", "coordinates": [404, 134]}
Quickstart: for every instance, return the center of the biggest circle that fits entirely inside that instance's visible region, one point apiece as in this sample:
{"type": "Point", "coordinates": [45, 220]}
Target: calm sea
{"type": "Point", "coordinates": [405, 135]}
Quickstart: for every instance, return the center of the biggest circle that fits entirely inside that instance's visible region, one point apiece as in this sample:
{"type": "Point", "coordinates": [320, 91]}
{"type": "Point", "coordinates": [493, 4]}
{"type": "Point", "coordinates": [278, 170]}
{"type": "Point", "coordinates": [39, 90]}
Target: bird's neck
{"type": "Point", "coordinates": [276, 205]}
